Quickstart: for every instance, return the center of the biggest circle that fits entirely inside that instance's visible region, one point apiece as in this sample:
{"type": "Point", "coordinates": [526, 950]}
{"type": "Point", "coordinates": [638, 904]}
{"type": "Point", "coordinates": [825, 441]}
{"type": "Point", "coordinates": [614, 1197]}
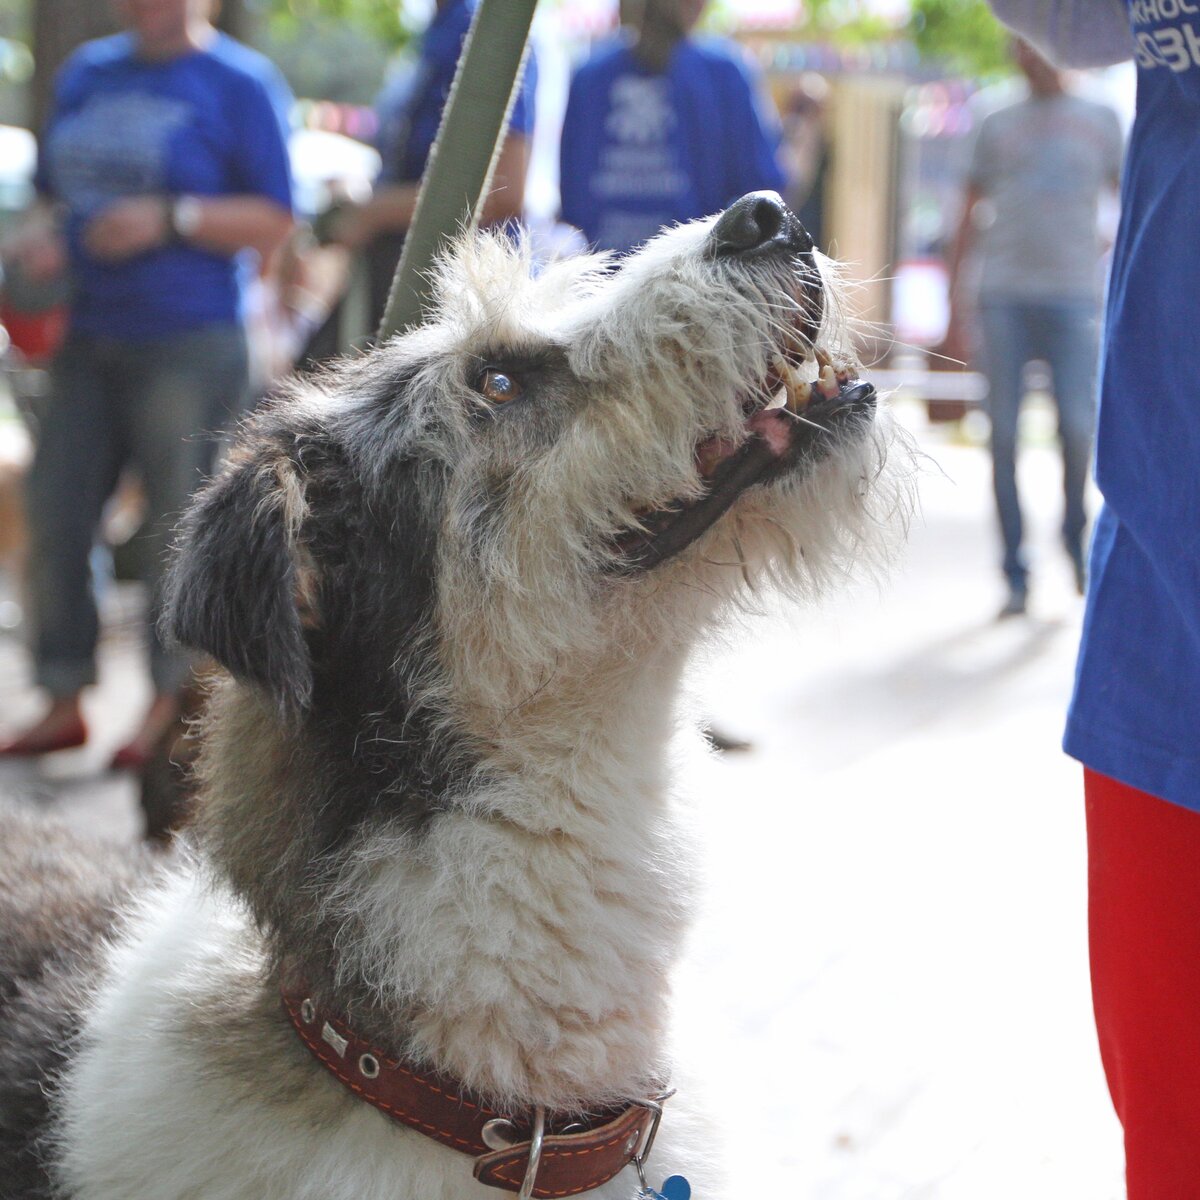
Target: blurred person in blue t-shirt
{"type": "Point", "coordinates": [663, 127]}
{"type": "Point", "coordinates": [409, 109]}
{"type": "Point", "coordinates": [163, 165]}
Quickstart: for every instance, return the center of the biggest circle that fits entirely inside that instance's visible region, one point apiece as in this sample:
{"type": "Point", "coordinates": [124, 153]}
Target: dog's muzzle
{"type": "Point", "coordinates": [790, 423]}
{"type": "Point", "coordinates": [759, 227]}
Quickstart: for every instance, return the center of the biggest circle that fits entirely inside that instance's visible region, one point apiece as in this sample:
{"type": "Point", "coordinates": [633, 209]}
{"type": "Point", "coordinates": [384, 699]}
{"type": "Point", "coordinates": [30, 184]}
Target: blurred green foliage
{"type": "Point", "coordinates": [961, 34]}
{"type": "Point", "coordinates": [335, 49]}
{"type": "Point", "coordinates": [845, 22]}
{"type": "Point", "coordinates": [14, 19]}
{"type": "Point", "coordinates": [340, 48]}
{"type": "Point", "coordinates": [383, 20]}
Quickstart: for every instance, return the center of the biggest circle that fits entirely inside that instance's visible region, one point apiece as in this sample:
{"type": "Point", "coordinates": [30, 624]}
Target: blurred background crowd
{"type": "Point", "coordinates": [866, 116]}
{"type": "Point", "coordinates": [168, 261]}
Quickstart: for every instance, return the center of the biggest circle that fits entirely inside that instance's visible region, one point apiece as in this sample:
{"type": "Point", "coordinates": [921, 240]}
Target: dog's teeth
{"type": "Point", "coordinates": [794, 391]}
{"type": "Point", "coordinates": [799, 396]}
{"type": "Point", "coordinates": [794, 379]}
{"type": "Point", "coordinates": [827, 385]}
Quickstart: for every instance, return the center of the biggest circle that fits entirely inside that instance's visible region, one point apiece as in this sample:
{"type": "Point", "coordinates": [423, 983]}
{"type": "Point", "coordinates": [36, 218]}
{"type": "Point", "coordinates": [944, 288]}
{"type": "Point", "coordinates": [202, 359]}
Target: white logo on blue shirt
{"type": "Point", "coordinates": [116, 145]}
{"type": "Point", "coordinates": [641, 111]}
{"type": "Point", "coordinates": [1174, 46]}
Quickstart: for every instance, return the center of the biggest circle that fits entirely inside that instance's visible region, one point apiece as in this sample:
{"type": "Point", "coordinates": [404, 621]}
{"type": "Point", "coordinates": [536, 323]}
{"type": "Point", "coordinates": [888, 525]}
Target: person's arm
{"type": "Point", "coordinates": [980, 179]}
{"type": "Point", "coordinates": [220, 224]}
{"type": "Point", "coordinates": [956, 344]}
{"type": "Point", "coordinates": [964, 235]}
{"type": "Point", "coordinates": [505, 200]}
{"type": "Point", "coordinates": [391, 208]}
{"type": "Point", "coordinates": [1072, 33]}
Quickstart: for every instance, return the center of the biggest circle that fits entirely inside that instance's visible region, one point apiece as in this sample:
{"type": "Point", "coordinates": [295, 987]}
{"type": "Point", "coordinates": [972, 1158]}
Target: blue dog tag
{"type": "Point", "coordinates": [676, 1188]}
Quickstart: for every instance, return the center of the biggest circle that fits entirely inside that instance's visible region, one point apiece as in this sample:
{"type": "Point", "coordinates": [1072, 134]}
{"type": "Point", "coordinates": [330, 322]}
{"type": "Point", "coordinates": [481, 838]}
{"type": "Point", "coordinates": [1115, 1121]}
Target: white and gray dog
{"type": "Point", "coordinates": [422, 943]}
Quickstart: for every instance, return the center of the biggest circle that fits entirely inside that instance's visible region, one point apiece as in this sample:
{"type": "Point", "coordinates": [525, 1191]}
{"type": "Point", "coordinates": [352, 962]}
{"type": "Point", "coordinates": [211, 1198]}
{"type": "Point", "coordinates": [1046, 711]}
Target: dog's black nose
{"type": "Point", "coordinates": [759, 222]}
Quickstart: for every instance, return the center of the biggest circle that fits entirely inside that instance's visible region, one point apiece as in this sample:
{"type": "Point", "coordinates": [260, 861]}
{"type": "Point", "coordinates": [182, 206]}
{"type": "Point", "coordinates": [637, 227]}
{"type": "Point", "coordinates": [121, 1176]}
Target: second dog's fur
{"type": "Point", "coordinates": [454, 586]}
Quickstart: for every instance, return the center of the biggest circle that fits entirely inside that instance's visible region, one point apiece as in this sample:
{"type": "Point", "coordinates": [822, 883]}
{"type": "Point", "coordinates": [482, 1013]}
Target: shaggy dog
{"type": "Point", "coordinates": [453, 586]}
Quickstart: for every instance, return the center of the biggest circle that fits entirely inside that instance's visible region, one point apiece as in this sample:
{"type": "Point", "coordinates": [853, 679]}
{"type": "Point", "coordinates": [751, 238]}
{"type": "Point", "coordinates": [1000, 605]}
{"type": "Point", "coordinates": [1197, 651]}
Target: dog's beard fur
{"type": "Point", "coordinates": [437, 768]}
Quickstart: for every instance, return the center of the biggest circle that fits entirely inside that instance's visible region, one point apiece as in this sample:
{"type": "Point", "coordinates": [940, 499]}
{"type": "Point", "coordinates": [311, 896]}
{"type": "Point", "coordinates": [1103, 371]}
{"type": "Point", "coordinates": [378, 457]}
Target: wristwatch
{"type": "Point", "coordinates": [185, 217]}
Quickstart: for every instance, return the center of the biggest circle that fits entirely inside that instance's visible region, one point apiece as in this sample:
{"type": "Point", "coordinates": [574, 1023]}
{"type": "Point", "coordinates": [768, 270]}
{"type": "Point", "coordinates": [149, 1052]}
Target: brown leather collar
{"type": "Point", "coordinates": [576, 1153]}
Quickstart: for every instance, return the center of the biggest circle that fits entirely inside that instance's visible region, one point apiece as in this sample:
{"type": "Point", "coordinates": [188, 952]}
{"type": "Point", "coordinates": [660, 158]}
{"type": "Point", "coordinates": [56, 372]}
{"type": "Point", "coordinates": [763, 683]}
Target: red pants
{"type": "Point", "coordinates": [1144, 922]}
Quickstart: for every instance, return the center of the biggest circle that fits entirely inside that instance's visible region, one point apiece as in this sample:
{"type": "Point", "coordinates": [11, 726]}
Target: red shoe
{"type": "Point", "coordinates": [34, 744]}
{"type": "Point", "coordinates": [162, 723]}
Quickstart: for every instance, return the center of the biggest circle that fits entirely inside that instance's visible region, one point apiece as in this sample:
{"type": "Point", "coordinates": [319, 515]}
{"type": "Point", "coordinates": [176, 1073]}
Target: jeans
{"type": "Point", "coordinates": [154, 406]}
{"type": "Point", "coordinates": [1064, 335]}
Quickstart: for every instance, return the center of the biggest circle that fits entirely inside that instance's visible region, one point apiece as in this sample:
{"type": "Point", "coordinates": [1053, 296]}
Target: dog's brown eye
{"type": "Point", "coordinates": [498, 386]}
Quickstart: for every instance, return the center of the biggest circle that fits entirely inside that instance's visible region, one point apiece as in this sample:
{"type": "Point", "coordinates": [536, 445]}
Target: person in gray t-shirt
{"type": "Point", "coordinates": [1037, 173]}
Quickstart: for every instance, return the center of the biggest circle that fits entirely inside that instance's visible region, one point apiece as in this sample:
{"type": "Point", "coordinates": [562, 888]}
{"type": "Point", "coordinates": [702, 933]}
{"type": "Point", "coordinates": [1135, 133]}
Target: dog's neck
{"type": "Point", "coordinates": [590, 742]}
{"type": "Point", "coordinates": [519, 936]}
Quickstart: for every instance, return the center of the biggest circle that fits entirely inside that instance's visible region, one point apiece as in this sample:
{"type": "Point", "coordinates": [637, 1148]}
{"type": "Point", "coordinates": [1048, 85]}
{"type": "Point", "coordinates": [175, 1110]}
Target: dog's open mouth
{"type": "Point", "coordinates": [790, 421]}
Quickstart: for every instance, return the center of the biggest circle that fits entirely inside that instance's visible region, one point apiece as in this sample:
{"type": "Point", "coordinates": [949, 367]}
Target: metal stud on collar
{"type": "Point", "coordinates": [499, 1134]}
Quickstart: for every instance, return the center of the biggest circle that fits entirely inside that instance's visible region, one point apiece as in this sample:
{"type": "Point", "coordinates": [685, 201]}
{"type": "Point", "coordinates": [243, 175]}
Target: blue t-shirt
{"type": "Point", "coordinates": [410, 106]}
{"type": "Point", "coordinates": [211, 122]}
{"type": "Point", "coordinates": [642, 149]}
{"type": "Point", "coordinates": [1135, 714]}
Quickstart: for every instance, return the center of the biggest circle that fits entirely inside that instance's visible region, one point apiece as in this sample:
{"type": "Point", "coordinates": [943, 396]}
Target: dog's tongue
{"type": "Point", "coordinates": [669, 530]}
{"type": "Point", "coordinates": [771, 425]}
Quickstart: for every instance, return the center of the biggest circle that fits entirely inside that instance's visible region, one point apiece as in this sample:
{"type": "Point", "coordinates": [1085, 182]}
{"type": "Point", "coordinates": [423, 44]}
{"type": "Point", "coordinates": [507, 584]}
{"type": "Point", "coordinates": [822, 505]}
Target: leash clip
{"type": "Point", "coordinates": [655, 1105]}
{"type": "Point", "coordinates": [535, 1153]}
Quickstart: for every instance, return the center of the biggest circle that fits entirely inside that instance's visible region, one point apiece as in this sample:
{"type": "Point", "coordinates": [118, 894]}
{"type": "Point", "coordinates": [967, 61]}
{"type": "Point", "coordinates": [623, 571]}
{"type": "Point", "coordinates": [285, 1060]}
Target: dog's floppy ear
{"type": "Point", "coordinates": [235, 582]}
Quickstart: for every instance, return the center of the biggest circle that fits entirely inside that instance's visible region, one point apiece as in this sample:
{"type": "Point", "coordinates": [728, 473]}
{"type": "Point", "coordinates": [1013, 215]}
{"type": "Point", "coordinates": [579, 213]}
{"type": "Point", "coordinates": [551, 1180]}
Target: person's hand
{"type": "Point", "coordinates": [127, 228]}
{"type": "Point", "coordinates": [350, 225]}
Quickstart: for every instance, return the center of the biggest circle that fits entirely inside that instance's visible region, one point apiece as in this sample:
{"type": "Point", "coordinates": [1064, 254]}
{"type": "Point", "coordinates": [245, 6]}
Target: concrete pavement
{"type": "Point", "coordinates": [890, 971]}
{"type": "Point", "coordinates": [893, 963]}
